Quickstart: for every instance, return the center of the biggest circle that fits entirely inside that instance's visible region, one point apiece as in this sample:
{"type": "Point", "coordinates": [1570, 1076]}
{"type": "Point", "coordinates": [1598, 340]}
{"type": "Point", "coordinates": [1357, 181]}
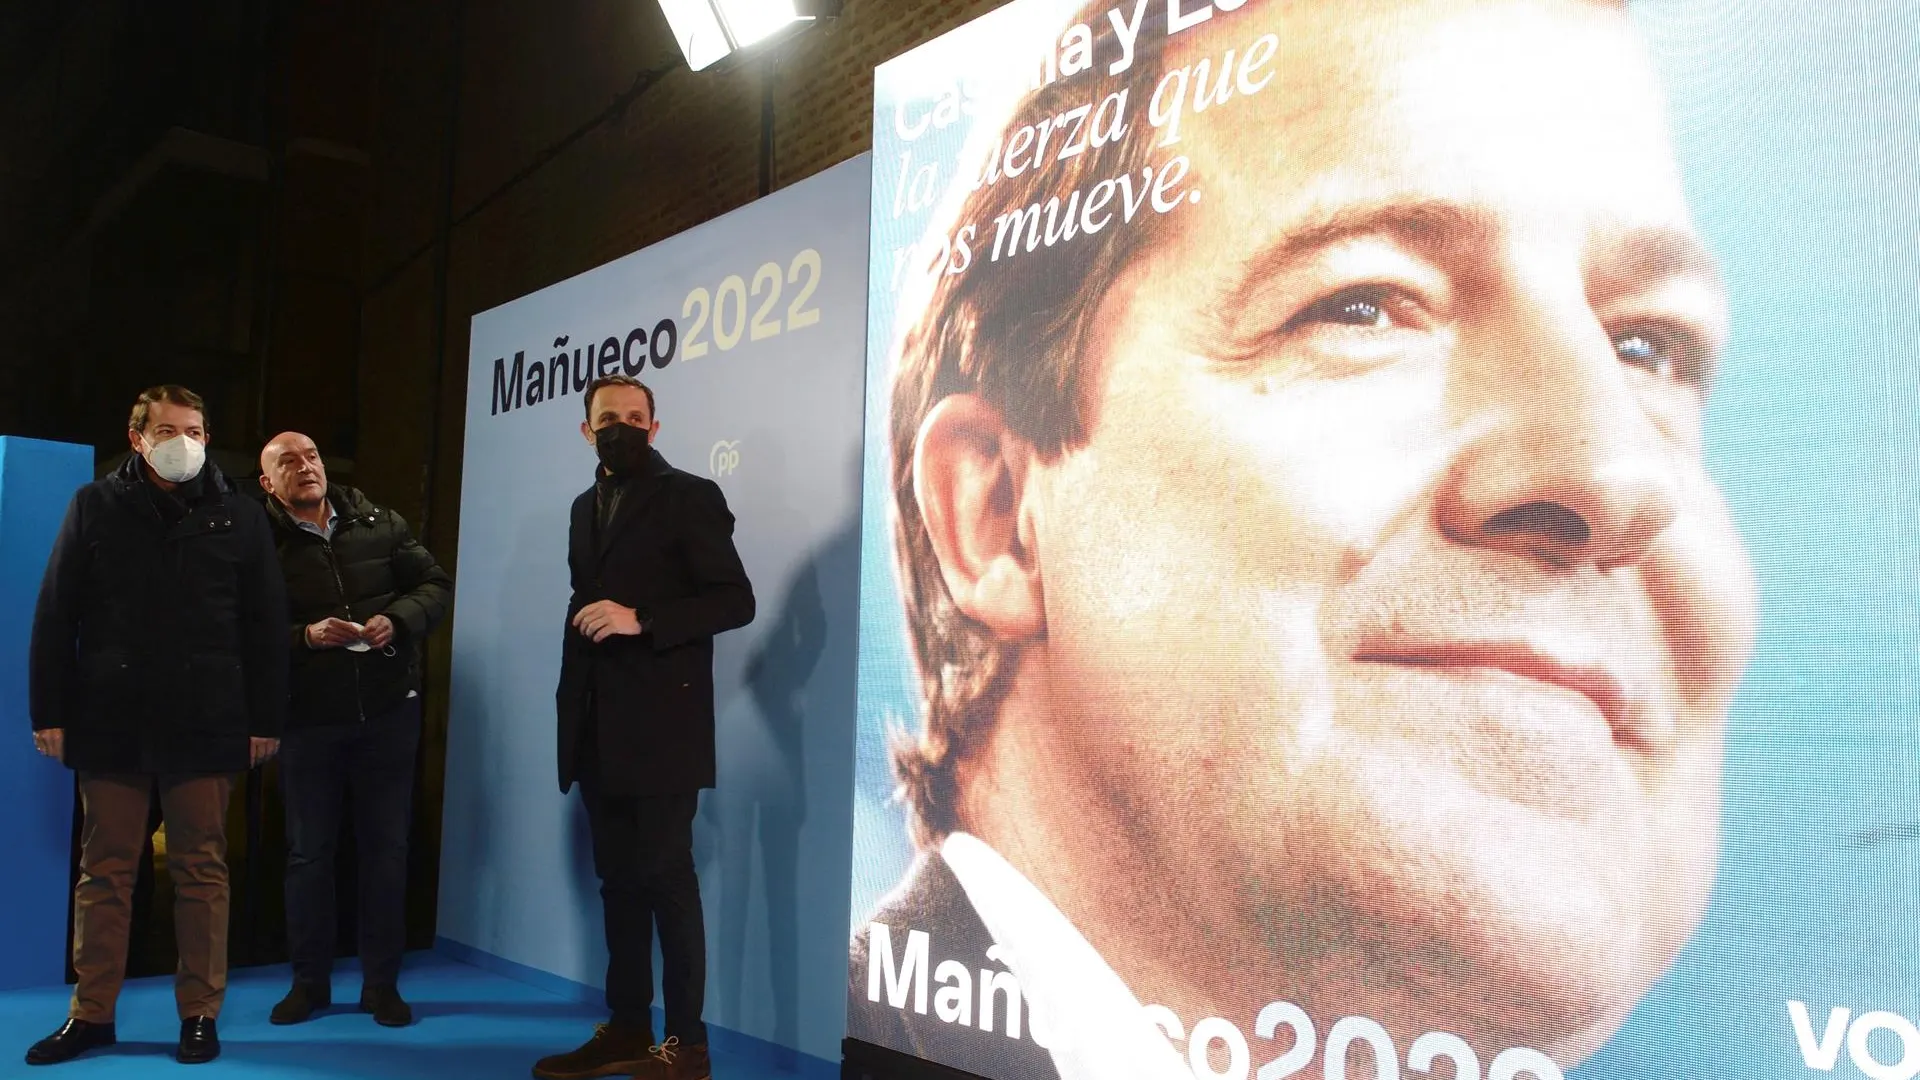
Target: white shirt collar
{"type": "Point", "coordinates": [1082, 1012]}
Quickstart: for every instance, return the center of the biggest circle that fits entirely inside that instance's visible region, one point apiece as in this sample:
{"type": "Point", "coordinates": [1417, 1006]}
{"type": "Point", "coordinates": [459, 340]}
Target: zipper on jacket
{"type": "Point", "coordinates": [340, 585]}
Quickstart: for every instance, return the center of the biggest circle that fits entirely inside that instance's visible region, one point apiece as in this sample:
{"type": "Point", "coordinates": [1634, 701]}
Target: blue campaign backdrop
{"type": "Point", "coordinates": [1796, 131]}
{"type": "Point", "coordinates": [1786, 118]}
{"type": "Point", "coordinates": [758, 380]}
{"type": "Point", "coordinates": [37, 480]}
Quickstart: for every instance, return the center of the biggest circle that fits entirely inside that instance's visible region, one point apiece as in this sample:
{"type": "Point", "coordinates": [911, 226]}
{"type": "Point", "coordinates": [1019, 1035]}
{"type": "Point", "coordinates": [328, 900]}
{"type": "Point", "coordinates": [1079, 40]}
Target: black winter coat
{"type": "Point", "coordinates": [159, 641]}
{"type": "Point", "coordinates": [648, 700]}
{"type": "Point", "coordinates": [372, 566]}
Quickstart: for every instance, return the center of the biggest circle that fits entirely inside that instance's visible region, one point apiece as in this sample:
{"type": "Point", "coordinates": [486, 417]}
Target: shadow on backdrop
{"type": "Point", "coordinates": [790, 740]}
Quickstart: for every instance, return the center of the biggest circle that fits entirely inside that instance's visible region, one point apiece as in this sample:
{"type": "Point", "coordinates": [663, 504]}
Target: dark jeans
{"type": "Point", "coordinates": [643, 853]}
{"type": "Point", "coordinates": [318, 768]}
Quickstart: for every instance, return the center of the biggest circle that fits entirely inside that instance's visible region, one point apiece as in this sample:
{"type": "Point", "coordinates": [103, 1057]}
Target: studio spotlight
{"type": "Point", "coordinates": [711, 30]}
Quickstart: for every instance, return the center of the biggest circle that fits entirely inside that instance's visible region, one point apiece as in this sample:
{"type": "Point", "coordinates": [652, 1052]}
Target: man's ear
{"type": "Point", "coordinates": [970, 477]}
{"type": "Point", "coordinates": [266, 483]}
{"type": "Point", "coordinates": [586, 432]}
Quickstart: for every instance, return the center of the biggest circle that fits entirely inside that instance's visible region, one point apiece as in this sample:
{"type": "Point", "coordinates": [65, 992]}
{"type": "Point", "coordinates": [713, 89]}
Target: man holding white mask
{"type": "Point", "coordinates": [158, 660]}
{"type": "Point", "coordinates": [362, 596]}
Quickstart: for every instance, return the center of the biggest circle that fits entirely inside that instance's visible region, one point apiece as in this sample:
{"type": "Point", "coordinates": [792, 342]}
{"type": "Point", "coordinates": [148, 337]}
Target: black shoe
{"type": "Point", "coordinates": [74, 1038]}
{"type": "Point", "coordinates": [301, 1003]}
{"type": "Point", "coordinates": [386, 1005]}
{"type": "Point", "coordinates": [199, 1041]}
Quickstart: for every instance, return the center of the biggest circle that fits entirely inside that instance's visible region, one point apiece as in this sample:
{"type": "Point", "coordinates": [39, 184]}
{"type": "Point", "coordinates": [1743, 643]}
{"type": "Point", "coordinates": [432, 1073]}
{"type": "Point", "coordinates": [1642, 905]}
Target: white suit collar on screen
{"type": "Point", "coordinates": [1081, 1010]}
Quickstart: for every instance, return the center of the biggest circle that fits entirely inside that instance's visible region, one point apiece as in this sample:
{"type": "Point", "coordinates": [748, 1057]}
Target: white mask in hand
{"type": "Point", "coordinates": [178, 459]}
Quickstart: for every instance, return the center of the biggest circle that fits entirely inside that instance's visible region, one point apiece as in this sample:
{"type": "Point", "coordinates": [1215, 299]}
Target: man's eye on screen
{"type": "Point", "coordinates": [1664, 352]}
{"type": "Point", "coordinates": [1368, 307]}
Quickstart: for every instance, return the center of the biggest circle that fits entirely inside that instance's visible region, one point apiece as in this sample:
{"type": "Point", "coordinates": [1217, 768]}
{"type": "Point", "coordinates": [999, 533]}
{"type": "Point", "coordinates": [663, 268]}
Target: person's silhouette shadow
{"type": "Point", "coordinates": [800, 679]}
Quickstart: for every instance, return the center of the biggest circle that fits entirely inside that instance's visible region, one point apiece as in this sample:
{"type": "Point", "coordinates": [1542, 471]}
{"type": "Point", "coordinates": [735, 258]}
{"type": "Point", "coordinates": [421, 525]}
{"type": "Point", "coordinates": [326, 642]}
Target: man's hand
{"type": "Point", "coordinates": [379, 632]}
{"type": "Point", "coordinates": [607, 619]}
{"type": "Point", "coordinates": [333, 634]}
{"type": "Point", "coordinates": [52, 742]}
{"type": "Point", "coordinates": [262, 749]}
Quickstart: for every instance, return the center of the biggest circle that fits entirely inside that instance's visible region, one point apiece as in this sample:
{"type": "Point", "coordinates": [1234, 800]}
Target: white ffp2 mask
{"type": "Point", "coordinates": [178, 459]}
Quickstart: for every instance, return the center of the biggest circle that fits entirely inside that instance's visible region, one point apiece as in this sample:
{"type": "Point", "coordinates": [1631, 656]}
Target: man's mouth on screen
{"type": "Point", "coordinates": [1531, 664]}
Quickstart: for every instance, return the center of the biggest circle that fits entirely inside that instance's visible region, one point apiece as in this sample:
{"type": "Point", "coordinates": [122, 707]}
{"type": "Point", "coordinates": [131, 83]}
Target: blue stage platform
{"type": "Point", "coordinates": [468, 1023]}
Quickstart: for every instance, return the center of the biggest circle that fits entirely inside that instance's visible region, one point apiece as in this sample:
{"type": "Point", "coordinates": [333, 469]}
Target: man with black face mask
{"type": "Point", "coordinates": [655, 577]}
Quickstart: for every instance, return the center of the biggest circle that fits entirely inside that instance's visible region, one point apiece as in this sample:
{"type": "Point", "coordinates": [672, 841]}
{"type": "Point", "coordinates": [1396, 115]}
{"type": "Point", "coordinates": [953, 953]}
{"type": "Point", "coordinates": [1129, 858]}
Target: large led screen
{"type": "Point", "coordinates": [1389, 537]}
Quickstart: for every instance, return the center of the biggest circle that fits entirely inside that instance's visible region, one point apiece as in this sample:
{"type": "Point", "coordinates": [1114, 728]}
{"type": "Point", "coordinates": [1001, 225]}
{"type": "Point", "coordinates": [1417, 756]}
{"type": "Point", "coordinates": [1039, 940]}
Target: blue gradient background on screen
{"type": "Point", "coordinates": [1798, 130]}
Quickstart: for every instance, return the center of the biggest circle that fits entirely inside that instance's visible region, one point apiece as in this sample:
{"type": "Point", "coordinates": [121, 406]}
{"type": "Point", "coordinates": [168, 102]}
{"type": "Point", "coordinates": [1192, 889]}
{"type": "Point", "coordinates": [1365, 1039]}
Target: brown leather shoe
{"type": "Point", "coordinates": [611, 1052]}
{"type": "Point", "coordinates": [672, 1061]}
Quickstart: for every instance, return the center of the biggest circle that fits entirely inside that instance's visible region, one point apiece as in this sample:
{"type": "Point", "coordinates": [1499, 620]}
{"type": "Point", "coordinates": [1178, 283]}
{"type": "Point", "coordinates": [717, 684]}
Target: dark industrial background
{"type": "Point", "coordinates": [295, 208]}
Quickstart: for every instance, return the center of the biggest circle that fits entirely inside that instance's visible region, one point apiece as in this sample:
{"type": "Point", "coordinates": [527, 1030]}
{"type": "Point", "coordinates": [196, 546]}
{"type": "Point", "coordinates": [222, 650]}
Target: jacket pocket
{"type": "Point", "coordinates": [219, 690]}
{"type": "Point", "coordinates": [110, 694]}
{"type": "Point", "coordinates": [689, 667]}
{"type": "Point", "coordinates": [385, 680]}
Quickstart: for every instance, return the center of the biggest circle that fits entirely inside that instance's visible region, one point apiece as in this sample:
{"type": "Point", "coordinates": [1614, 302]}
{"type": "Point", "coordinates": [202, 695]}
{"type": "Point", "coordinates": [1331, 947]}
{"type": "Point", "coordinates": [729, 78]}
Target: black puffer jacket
{"type": "Point", "coordinates": [372, 566]}
{"type": "Point", "coordinates": [158, 641]}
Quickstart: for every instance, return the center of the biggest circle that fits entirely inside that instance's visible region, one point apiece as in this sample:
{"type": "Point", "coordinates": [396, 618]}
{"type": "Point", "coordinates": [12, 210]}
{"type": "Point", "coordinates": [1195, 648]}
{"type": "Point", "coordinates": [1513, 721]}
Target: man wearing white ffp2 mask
{"type": "Point", "coordinates": [163, 541]}
{"type": "Point", "coordinates": [177, 459]}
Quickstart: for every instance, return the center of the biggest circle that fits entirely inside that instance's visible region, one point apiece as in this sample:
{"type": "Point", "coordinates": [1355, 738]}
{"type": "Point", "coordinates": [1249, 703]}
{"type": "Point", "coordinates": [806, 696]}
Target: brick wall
{"type": "Point", "coordinates": [525, 214]}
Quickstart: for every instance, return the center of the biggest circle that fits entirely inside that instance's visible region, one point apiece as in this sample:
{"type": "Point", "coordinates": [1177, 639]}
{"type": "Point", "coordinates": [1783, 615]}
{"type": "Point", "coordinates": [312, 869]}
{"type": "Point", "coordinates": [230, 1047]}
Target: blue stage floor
{"type": "Point", "coordinates": [467, 1023]}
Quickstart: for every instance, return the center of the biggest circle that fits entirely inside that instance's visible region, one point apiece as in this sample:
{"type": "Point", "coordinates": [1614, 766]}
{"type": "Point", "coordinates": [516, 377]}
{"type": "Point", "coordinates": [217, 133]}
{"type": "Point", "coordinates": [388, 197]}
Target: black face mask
{"type": "Point", "coordinates": [622, 448]}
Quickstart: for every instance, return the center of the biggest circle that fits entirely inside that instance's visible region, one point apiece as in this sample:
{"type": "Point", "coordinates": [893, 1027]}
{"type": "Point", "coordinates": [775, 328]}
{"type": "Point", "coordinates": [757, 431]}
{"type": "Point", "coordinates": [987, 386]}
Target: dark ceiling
{"type": "Point", "coordinates": [133, 182]}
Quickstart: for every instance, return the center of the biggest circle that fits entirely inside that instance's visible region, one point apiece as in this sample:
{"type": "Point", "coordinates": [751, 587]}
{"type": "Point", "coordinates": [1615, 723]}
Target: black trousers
{"type": "Point", "coordinates": [319, 768]}
{"type": "Point", "coordinates": [643, 854]}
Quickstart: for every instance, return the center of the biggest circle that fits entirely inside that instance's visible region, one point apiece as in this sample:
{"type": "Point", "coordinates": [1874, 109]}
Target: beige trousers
{"type": "Point", "coordinates": [113, 836]}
